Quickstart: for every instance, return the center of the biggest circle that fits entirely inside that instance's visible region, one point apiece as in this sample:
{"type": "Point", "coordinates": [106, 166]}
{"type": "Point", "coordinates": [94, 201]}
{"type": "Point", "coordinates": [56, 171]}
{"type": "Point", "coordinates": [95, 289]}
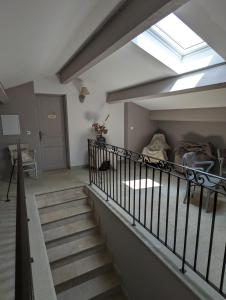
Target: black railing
{"type": "Point", "coordinates": [183, 208]}
{"type": "Point", "coordinates": [23, 276]}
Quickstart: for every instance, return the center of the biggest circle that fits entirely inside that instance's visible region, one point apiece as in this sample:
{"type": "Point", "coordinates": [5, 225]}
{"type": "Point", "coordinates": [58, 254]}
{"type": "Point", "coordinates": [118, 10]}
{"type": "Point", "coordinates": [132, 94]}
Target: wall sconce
{"type": "Point", "coordinates": [83, 93]}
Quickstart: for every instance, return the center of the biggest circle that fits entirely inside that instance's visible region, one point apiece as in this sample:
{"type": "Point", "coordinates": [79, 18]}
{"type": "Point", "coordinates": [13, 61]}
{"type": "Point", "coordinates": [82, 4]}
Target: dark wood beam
{"type": "Point", "coordinates": [131, 18]}
{"type": "Point", "coordinates": [201, 80]}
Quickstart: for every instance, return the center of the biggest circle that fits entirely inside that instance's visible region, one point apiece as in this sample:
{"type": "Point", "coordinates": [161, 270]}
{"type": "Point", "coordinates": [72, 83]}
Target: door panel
{"type": "Point", "coordinates": [52, 132]}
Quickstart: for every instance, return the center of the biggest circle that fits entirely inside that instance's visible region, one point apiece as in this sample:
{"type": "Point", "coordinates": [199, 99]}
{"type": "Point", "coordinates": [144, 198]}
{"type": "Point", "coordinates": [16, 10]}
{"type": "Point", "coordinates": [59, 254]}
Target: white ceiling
{"type": "Point", "coordinates": [207, 18]}
{"type": "Point", "coordinates": [131, 65]}
{"type": "Point", "coordinates": [128, 66]}
{"type": "Point", "coordinates": [208, 99]}
{"type": "Point", "coordinates": [39, 36]}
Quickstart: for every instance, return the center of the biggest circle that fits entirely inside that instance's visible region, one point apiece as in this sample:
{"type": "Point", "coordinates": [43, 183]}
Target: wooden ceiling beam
{"type": "Point", "coordinates": [205, 79]}
{"type": "Point", "coordinates": [130, 19]}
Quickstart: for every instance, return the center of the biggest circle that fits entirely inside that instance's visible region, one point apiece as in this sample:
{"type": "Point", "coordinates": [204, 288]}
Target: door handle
{"type": "Point", "coordinates": [40, 135]}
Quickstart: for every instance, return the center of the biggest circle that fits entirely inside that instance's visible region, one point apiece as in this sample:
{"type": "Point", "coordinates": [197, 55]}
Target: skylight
{"type": "Point", "coordinates": [177, 46]}
{"type": "Point", "coordinates": [178, 34]}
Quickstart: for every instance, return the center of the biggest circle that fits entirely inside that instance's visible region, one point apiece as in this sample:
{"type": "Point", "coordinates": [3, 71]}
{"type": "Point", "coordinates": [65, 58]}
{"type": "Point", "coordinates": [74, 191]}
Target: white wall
{"type": "Point", "coordinates": [82, 115]}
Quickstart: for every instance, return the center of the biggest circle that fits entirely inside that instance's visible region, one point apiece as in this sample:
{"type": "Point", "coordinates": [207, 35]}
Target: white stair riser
{"type": "Point", "coordinates": [82, 278]}
{"type": "Point", "coordinates": [59, 223]}
{"type": "Point", "coordinates": [57, 197]}
{"type": "Point", "coordinates": [72, 203]}
{"type": "Point", "coordinates": [78, 256]}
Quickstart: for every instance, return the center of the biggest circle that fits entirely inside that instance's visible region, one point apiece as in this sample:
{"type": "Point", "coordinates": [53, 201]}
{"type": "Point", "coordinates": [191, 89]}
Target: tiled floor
{"type": "Point", "coordinates": [57, 180]}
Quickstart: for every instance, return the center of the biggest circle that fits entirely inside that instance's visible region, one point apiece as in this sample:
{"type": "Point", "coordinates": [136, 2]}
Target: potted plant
{"type": "Point", "coordinates": [100, 129]}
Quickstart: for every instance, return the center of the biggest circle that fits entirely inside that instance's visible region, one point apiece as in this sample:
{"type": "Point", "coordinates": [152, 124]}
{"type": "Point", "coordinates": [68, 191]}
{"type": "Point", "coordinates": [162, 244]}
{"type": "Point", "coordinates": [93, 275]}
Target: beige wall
{"type": "Point", "coordinates": [82, 115]}
{"type": "Point", "coordinates": [217, 114]}
{"type": "Point", "coordinates": [196, 125]}
{"type": "Point", "coordinates": [143, 273]}
{"type": "Point", "coordinates": [138, 127]}
{"type": "Point", "coordinates": [21, 102]}
{"type": "Point", "coordinates": [214, 132]}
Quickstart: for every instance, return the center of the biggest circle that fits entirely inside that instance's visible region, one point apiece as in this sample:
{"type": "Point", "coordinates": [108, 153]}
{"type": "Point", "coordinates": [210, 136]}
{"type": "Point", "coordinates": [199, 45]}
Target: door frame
{"type": "Point", "coordinates": [65, 119]}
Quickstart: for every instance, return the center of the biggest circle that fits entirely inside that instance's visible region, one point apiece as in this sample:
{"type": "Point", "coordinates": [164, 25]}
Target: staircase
{"type": "Point", "coordinates": [81, 265]}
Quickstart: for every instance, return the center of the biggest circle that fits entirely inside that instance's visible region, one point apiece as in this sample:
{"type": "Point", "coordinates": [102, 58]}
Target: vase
{"type": "Point", "coordinates": [101, 139]}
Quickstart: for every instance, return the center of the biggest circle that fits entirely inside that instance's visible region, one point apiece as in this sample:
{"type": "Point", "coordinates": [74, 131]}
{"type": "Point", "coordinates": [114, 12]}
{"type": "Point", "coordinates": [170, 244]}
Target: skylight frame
{"type": "Point", "coordinates": [172, 43]}
{"type": "Point", "coordinates": [174, 57]}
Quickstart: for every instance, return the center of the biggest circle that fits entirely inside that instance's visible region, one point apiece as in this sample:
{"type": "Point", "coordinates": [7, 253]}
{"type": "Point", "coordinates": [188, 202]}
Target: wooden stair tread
{"type": "Point", "coordinates": [64, 213]}
{"type": "Point", "coordinates": [74, 247]}
{"type": "Point", "coordinates": [92, 288]}
{"type": "Point", "coordinates": [69, 229]}
{"type": "Point", "coordinates": [58, 197]}
{"type": "Point", "coordinates": [80, 267]}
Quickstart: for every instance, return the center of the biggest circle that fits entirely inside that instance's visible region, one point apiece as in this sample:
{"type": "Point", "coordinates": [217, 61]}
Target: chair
{"type": "Point", "coordinates": [28, 158]}
{"type": "Point", "coordinates": [157, 148]}
{"type": "Point", "coordinates": [190, 160]}
{"type": "Point", "coordinates": [204, 152]}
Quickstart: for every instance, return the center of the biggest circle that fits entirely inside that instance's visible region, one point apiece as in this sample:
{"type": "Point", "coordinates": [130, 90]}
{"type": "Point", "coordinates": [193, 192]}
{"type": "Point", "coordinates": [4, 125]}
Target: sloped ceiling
{"type": "Point", "coordinates": [205, 99]}
{"type": "Point", "coordinates": [131, 65]}
{"type": "Point", "coordinates": [39, 36]}
{"type": "Point", "coordinates": [127, 66]}
{"type": "Point", "coordinates": [207, 18]}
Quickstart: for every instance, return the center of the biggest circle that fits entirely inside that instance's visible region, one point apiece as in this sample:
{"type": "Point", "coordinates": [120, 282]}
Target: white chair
{"type": "Point", "coordinates": [157, 148]}
{"type": "Point", "coordinates": [28, 158]}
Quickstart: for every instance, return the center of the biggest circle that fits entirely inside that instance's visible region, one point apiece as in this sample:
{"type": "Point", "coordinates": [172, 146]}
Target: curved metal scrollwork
{"type": "Point", "coordinates": [206, 180]}
{"type": "Point", "coordinates": [165, 166]}
{"type": "Point", "coordinates": [210, 181]}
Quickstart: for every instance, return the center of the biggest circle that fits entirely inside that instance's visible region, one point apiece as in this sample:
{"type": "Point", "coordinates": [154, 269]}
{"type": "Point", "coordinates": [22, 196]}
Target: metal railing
{"type": "Point", "coordinates": [23, 275]}
{"type": "Point", "coordinates": [171, 202]}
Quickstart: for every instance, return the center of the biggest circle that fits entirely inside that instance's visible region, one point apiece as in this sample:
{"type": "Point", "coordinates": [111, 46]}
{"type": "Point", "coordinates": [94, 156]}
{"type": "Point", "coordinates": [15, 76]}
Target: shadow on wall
{"type": "Point", "coordinates": [91, 116]}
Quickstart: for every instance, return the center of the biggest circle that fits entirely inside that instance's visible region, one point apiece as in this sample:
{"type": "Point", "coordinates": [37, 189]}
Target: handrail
{"type": "Point", "coordinates": [196, 176]}
{"type": "Point", "coordinates": [23, 274]}
{"type": "Point", "coordinates": [126, 183]}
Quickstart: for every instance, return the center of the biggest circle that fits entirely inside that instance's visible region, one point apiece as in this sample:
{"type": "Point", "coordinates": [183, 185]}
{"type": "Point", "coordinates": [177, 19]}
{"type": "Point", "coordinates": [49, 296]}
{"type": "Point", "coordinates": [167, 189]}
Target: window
{"type": "Point", "coordinates": [178, 35]}
{"type": "Point", "coordinates": [176, 45]}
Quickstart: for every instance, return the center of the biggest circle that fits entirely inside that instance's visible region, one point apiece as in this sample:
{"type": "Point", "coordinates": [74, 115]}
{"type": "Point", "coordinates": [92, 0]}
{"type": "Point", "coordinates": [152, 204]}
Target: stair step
{"type": "Point", "coordinates": [54, 198]}
{"type": "Point", "coordinates": [94, 288]}
{"type": "Point", "coordinates": [69, 229]}
{"type": "Point", "coordinates": [118, 296]}
{"type": "Point", "coordinates": [64, 213]}
{"type": "Point", "coordinates": [71, 203]}
{"type": "Point", "coordinates": [74, 247]}
{"type": "Point", "coordinates": [81, 268]}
